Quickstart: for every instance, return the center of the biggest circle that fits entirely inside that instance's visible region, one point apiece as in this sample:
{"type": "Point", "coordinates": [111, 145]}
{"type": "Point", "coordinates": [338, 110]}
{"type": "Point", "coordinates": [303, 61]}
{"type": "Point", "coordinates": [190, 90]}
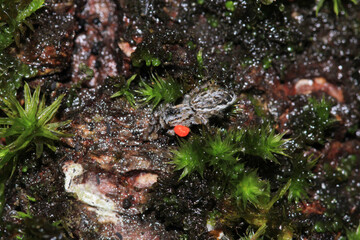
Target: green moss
{"type": "Point", "coordinates": [298, 189]}
{"type": "Point", "coordinates": [251, 235]}
{"type": "Point", "coordinates": [337, 6]}
{"type": "Point", "coordinates": [23, 215]}
{"type": "Point", "coordinates": [301, 176]}
{"type": "Point", "coordinates": [342, 171]}
{"type": "Point", "coordinates": [263, 142]}
{"type": "Point", "coordinates": [334, 225]}
{"type": "Point", "coordinates": [125, 91]}
{"type": "Point", "coordinates": [320, 227]}
{"type": "Point", "coordinates": [25, 127]}
{"type": "Point", "coordinates": [144, 56]}
{"type": "Point", "coordinates": [87, 71]}
{"type": "Point", "coordinates": [250, 188]}
{"type": "Point", "coordinates": [189, 157]}
{"type": "Point", "coordinates": [12, 71]}
{"type": "Point", "coordinates": [267, 61]}
{"type": "Point", "coordinates": [229, 155]}
{"type": "Point", "coordinates": [163, 89]}
{"type": "Point", "coordinates": [212, 20]}
{"type": "Point", "coordinates": [322, 111]}
{"type": "Point", "coordinates": [221, 148]}
{"type": "Point", "coordinates": [353, 235]}
{"type": "Point", "coordinates": [229, 5]}
{"type": "Point", "coordinates": [267, 2]}
{"type": "Point", "coordinates": [313, 121]}
{"type": "Point", "coordinates": [199, 58]}
{"type": "Point", "coordinates": [13, 14]}
{"type": "Point", "coordinates": [223, 151]}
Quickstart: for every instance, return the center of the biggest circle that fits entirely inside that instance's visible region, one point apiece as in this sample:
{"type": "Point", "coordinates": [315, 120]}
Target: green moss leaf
{"type": "Point", "coordinates": [353, 235]}
{"type": "Point", "coordinates": [125, 91]}
{"type": "Point", "coordinates": [24, 125]}
{"type": "Point", "coordinates": [251, 188]}
{"type": "Point", "coordinates": [263, 142]}
{"type": "Point", "coordinates": [221, 148]}
{"type": "Point", "coordinates": [163, 89]}
{"type": "Point", "coordinates": [337, 6]}
{"type": "Point", "coordinates": [189, 157]}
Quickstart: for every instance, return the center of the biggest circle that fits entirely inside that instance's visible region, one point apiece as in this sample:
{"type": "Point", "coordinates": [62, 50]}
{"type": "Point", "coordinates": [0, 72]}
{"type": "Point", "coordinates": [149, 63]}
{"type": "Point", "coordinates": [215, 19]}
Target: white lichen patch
{"type": "Point", "coordinates": [144, 180]}
{"type": "Point", "coordinates": [105, 216]}
{"type": "Point", "coordinates": [88, 193]}
{"type": "Point", "coordinates": [71, 170]}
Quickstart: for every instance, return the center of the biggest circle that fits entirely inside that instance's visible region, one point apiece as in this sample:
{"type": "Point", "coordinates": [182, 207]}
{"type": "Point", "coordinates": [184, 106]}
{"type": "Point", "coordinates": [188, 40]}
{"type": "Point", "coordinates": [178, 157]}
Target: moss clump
{"type": "Point", "coordinates": [225, 149]}
{"type": "Point", "coordinates": [263, 142]}
{"type": "Point", "coordinates": [31, 124]}
{"type": "Point", "coordinates": [353, 235]}
{"type": "Point", "coordinates": [337, 6]}
{"type": "Point", "coordinates": [224, 160]}
{"type": "Point", "coordinates": [301, 177]}
{"type": "Point", "coordinates": [221, 149]}
{"type": "Point", "coordinates": [189, 157]}
{"type": "Point", "coordinates": [125, 91]}
{"type": "Point", "coordinates": [250, 188]}
{"type": "Point", "coordinates": [140, 57]}
{"type": "Point", "coordinates": [12, 71]}
{"type": "Point", "coordinates": [13, 14]}
{"type": "Point", "coordinates": [162, 89]}
{"type": "Point", "coordinates": [24, 127]}
{"type": "Point", "coordinates": [312, 121]}
{"type": "Point", "coordinates": [234, 165]}
{"type": "Point", "coordinates": [230, 6]}
{"type": "Point", "coordinates": [342, 171]}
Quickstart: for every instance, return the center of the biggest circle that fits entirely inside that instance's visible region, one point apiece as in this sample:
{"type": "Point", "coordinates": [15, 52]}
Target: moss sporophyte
{"type": "Point", "coordinates": [26, 126]}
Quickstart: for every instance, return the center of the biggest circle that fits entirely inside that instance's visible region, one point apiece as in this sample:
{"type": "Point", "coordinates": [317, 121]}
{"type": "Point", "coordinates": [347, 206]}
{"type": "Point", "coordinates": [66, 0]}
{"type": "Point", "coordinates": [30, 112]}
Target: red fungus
{"type": "Point", "coordinates": [181, 130]}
